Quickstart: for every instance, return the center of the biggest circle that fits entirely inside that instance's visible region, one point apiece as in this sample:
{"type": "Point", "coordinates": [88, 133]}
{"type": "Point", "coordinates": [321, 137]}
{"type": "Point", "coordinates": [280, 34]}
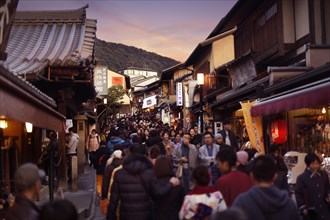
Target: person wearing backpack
{"type": "Point", "coordinates": [92, 144]}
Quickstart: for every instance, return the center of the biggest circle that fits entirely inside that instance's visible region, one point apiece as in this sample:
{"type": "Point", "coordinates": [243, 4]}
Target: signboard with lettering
{"type": "Point", "coordinates": [68, 124]}
{"type": "Point", "coordinates": [149, 101]}
{"type": "Point", "coordinates": [179, 94]}
{"type": "Point", "coordinates": [101, 80]}
{"type": "Point", "coordinates": [7, 13]}
{"type": "Point", "coordinates": [242, 72]}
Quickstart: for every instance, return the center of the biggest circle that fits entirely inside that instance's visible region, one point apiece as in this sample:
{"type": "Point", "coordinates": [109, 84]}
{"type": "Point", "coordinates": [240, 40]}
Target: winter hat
{"type": "Point", "coordinates": [115, 154]}
{"type": "Point", "coordinates": [242, 157]}
{"type": "Point", "coordinates": [217, 136]}
{"type": "Point", "coordinates": [27, 175]}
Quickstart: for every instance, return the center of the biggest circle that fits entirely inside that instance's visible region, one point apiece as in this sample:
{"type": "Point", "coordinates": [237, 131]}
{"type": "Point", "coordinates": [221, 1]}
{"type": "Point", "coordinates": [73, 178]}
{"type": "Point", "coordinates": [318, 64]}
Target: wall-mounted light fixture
{"type": "Point", "coordinates": [105, 101]}
{"type": "Point", "coordinates": [324, 110]}
{"type": "Point", "coordinates": [29, 127]}
{"type": "Point", "coordinates": [3, 124]}
{"type": "Point", "coordinates": [200, 79]}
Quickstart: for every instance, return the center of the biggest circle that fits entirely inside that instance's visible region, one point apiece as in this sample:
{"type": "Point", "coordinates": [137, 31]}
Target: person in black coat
{"type": "Point", "coordinates": [228, 135]}
{"type": "Point", "coordinates": [27, 186]}
{"type": "Point", "coordinates": [134, 186]}
{"type": "Point", "coordinates": [313, 190]}
{"type": "Point", "coordinates": [101, 156]}
{"type": "Point", "coordinates": [281, 180]}
{"type": "Point", "coordinates": [155, 139]}
{"type": "Point", "coordinates": [116, 162]}
{"type": "Point", "coordinates": [167, 207]}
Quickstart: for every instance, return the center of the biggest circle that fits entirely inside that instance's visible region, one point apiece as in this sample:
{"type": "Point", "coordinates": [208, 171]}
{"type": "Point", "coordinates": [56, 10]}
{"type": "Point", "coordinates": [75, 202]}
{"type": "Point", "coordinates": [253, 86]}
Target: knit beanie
{"type": "Point", "coordinates": [242, 157]}
{"type": "Point", "coordinates": [115, 154]}
{"type": "Point", "coordinates": [217, 136]}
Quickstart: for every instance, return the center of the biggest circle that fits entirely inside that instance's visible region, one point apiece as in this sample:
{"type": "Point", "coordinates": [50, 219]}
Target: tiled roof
{"type": "Point", "coordinates": [49, 38]}
{"type": "Point", "coordinates": [20, 82]}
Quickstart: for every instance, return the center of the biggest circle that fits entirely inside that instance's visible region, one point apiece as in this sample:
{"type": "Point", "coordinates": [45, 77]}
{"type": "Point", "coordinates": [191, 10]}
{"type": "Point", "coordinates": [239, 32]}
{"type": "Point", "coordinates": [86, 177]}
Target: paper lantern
{"type": "Point", "coordinates": [279, 131]}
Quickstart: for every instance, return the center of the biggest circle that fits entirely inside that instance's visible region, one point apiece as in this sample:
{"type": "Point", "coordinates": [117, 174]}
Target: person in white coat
{"type": "Point", "coordinates": [71, 149]}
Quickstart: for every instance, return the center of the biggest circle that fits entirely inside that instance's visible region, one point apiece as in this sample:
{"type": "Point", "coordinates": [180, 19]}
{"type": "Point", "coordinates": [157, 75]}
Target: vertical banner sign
{"type": "Point", "coordinates": [7, 13]}
{"type": "Point", "coordinates": [101, 80]}
{"type": "Point", "coordinates": [253, 127]}
{"type": "Point", "coordinates": [179, 94]}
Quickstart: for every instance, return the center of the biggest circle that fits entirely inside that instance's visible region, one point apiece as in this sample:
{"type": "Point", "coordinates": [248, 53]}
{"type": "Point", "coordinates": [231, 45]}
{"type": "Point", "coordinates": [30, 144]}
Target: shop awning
{"type": "Point", "coordinates": [21, 101]}
{"type": "Point", "coordinates": [150, 101]}
{"type": "Point", "coordinates": [311, 95]}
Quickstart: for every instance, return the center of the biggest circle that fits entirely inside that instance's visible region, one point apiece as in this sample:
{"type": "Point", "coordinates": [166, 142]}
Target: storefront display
{"type": "Point", "coordinates": [279, 131]}
{"type": "Point", "coordinates": [310, 130]}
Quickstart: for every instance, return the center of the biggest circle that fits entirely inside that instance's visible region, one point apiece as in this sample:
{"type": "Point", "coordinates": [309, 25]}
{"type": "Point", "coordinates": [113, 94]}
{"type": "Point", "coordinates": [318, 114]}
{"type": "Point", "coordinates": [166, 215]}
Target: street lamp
{"type": "Point", "coordinates": [200, 83]}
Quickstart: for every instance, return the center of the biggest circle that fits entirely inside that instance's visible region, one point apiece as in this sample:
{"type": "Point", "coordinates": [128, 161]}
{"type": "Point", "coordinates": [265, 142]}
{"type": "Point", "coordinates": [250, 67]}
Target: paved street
{"type": "Point", "coordinates": [85, 198]}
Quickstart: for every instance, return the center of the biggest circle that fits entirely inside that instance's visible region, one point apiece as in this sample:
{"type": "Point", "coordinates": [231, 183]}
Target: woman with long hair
{"type": "Point", "coordinates": [167, 207]}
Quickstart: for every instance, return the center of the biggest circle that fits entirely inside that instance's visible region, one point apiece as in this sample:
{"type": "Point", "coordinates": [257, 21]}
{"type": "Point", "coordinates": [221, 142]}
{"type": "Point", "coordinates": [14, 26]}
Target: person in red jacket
{"type": "Point", "coordinates": [232, 182]}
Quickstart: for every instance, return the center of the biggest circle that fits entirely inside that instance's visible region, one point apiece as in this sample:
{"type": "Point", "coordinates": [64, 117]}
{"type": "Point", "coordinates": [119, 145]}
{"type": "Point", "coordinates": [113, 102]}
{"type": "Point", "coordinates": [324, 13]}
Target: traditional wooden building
{"type": "Point", "coordinates": [22, 107]}
{"type": "Point", "coordinates": [174, 96]}
{"type": "Point", "coordinates": [255, 51]}
{"type": "Point", "coordinates": [53, 50]}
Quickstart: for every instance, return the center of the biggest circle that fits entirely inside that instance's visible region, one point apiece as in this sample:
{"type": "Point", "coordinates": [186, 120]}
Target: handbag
{"type": "Point", "coordinates": [179, 171]}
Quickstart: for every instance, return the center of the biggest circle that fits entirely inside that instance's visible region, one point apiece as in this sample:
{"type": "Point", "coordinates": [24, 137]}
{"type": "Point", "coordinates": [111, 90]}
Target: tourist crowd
{"type": "Point", "coordinates": [151, 171]}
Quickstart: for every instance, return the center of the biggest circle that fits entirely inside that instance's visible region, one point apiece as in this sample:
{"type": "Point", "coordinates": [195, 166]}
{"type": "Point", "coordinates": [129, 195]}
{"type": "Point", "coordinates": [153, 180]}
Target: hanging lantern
{"type": "Point", "coordinates": [3, 123]}
{"type": "Point", "coordinates": [29, 127]}
{"type": "Point", "coordinates": [279, 131]}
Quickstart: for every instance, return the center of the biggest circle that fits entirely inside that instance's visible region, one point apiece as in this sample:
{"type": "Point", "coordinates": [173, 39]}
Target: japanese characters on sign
{"type": "Point", "coordinates": [179, 94]}
{"type": "Point", "coordinates": [101, 80]}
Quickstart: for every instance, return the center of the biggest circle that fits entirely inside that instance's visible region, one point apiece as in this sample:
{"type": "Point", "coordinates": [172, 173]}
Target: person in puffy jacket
{"type": "Point", "coordinates": [114, 138]}
{"type": "Point", "coordinates": [134, 187]}
{"type": "Point", "coordinates": [114, 161]}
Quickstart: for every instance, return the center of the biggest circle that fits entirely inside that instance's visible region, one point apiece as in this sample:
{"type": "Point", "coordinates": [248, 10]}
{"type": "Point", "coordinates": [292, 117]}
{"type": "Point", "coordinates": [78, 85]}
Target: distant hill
{"type": "Point", "coordinates": [120, 56]}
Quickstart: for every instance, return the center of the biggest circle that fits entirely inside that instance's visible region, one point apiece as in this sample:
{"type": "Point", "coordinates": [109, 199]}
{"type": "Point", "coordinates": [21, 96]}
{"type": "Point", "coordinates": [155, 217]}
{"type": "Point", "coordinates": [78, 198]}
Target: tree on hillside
{"type": "Point", "coordinates": [114, 97]}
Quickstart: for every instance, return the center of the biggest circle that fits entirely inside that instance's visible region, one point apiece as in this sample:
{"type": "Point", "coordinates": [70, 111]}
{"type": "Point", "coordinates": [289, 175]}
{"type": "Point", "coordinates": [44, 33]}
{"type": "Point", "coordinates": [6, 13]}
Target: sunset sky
{"type": "Point", "coordinates": [168, 27]}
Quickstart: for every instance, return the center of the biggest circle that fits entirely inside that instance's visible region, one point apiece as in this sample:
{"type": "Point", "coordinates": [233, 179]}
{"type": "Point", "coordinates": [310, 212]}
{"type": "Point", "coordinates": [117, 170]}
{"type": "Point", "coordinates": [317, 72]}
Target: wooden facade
{"type": "Point", "coordinates": [54, 52]}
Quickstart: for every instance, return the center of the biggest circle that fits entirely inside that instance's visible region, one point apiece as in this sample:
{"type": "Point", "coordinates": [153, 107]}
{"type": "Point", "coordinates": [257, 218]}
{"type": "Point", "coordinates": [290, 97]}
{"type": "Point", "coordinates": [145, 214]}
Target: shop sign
{"type": "Point", "coordinates": [254, 127]}
{"type": "Point", "coordinates": [68, 124]}
{"type": "Point", "coordinates": [179, 94]}
{"type": "Point", "coordinates": [218, 126]}
{"type": "Point", "coordinates": [7, 12]}
{"type": "Point", "coordinates": [149, 102]}
{"type": "Point", "coordinates": [279, 131]}
{"type": "Point", "coordinates": [101, 80]}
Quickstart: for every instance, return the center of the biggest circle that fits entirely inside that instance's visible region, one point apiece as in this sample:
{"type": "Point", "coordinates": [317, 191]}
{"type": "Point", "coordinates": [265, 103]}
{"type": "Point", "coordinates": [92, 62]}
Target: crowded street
{"type": "Point", "coordinates": [124, 110]}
